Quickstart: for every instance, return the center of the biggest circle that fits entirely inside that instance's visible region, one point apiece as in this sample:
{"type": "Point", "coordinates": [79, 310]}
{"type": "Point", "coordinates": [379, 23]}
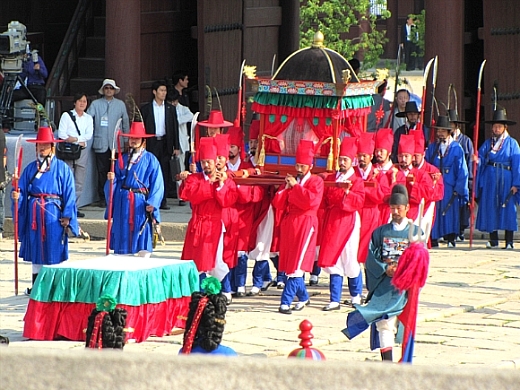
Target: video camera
{"type": "Point", "coordinates": [13, 46]}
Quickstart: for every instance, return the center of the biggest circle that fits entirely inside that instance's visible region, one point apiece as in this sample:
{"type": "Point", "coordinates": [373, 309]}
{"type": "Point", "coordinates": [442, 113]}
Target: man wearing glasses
{"type": "Point", "coordinates": [106, 111]}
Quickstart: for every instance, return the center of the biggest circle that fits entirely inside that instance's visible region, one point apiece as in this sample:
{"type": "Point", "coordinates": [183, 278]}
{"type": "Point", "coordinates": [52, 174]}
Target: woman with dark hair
{"type": "Point", "coordinates": [76, 126]}
{"type": "Point", "coordinates": [206, 319]}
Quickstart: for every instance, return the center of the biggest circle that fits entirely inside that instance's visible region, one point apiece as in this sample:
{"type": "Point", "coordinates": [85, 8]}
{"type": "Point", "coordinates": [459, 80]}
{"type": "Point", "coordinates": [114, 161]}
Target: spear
{"type": "Point", "coordinates": [397, 72]}
{"type": "Point", "coordinates": [18, 153]}
{"type": "Point", "coordinates": [434, 84]}
{"type": "Point", "coordinates": [111, 184]}
{"type": "Point", "coordinates": [236, 123]}
{"type": "Point", "coordinates": [475, 158]}
{"type": "Point", "coordinates": [425, 81]}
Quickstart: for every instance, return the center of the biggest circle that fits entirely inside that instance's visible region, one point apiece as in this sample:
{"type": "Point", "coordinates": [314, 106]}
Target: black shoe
{"type": "Point", "coordinates": [313, 282]}
{"type": "Point", "coordinates": [240, 294]}
{"type": "Point", "coordinates": [164, 207]}
{"type": "Point", "coordinates": [271, 284]}
{"type": "Point", "coordinates": [182, 203]}
{"type": "Point", "coordinates": [80, 214]}
{"type": "Point", "coordinates": [102, 204]}
{"type": "Point", "coordinates": [28, 291]}
{"type": "Point", "coordinates": [253, 293]}
{"type": "Point", "coordinates": [284, 311]}
{"type": "Point", "coordinates": [330, 308]}
{"type": "Point", "coordinates": [435, 243]}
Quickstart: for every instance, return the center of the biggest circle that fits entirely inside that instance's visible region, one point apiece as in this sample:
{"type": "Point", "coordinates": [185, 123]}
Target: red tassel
{"type": "Point", "coordinates": [412, 268]}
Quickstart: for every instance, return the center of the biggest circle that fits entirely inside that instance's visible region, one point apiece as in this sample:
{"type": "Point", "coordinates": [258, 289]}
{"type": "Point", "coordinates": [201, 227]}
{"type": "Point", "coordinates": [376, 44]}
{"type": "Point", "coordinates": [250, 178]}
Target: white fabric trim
{"type": "Point", "coordinates": [299, 273]}
{"type": "Point", "coordinates": [264, 237]}
{"type": "Point", "coordinates": [347, 264]}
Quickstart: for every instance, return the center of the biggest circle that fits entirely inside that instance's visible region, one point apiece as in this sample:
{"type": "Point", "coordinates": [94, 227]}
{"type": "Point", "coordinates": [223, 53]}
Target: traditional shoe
{"type": "Point", "coordinates": [80, 214]}
{"type": "Point", "coordinates": [509, 245]}
{"type": "Point", "coordinates": [182, 203]}
{"type": "Point", "coordinates": [229, 298]}
{"type": "Point", "coordinates": [240, 294]}
{"type": "Point", "coordinates": [164, 207]}
{"type": "Point", "coordinates": [490, 245]}
{"type": "Point", "coordinates": [460, 237]}
{"type": "Point", "coordinates": [451, 244]}
{"type": "Point", "coordinates": [266, 285]}
{"type": "Point", "coordinates": [435, 243]}
{"type": "Point", "coordinates": [284, 309]}
{"type": "Point", "coordinates": [300, 305]}
{"type": "Point", "coordinates": [254, 292]}
{"type": "Point", "coordinates": [280, 285]}
{"type": "Point", "coordinates": [28, 291]}
{"type": "Point", "coordinates": [331, 306]}
{"type": "Point", "coordinates": [313, 281]}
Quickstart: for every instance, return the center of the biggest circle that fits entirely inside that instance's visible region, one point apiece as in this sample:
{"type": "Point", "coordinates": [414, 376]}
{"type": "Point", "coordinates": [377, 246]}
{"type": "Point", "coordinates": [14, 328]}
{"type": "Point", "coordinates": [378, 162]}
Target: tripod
{"type": "Point", "coordinates": [6, 97]}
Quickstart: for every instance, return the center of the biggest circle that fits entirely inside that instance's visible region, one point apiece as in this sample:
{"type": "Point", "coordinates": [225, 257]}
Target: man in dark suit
{"type": "Point", "coordinates": [407, 32]}
{"type": "Point", "coordinates": [161, 119]}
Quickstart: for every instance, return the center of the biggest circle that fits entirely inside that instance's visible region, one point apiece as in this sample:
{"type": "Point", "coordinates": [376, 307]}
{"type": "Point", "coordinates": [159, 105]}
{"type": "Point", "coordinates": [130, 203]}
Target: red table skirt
{"type": "Point", "coordinates": [56, 320]}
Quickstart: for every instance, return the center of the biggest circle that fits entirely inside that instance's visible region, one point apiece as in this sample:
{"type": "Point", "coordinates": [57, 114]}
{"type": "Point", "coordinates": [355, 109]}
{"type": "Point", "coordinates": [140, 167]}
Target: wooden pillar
{"type": "Point", "coordinates": [289, 35]}
{"type": "Point", "coordinates": [392, 32]}
{"type": "Point", "coordinates": [123, 45]}
{"type": "Point", "coordinates": [445, 39]}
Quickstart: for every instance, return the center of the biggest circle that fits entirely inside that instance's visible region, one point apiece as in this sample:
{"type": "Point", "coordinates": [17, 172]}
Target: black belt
{"type": "Point", "coordinates": [136, 190]}
{"type": "Point", "coordinates": [498, 165]}
{"type": "Point", "coordinates": [159, 138]}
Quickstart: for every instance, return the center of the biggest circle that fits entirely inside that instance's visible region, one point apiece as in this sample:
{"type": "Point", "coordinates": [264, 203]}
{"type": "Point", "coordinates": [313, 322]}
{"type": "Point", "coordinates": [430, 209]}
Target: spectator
{"type": "Point", "coordinates": [76, 126]}
{"type": "Point", "coordinates": [3, 182]}
{"type": "Point", "coordinates": [180, 79]}
{"type": "Point", "coordinates": [160, 119]}
{"type": "Point", "coordinates": [105, 112]}
{"type": "Point", "coordinates": [401, 98]}
{"type": "Point", "coordinates": [34, 73]}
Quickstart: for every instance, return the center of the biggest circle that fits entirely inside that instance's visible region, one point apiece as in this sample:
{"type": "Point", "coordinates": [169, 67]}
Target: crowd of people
{"type": "Point", "coordinates": [386, 180]}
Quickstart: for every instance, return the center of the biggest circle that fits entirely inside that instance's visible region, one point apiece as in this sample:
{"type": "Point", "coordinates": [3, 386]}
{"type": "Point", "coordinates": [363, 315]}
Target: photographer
{"type": "Point", "coordinates": [34, 73]}
{"type": "Point", "coordinates": [76, 126]}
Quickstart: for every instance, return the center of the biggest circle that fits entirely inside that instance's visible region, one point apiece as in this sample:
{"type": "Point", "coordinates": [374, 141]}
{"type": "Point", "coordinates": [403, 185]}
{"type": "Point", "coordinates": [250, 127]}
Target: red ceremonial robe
{"type": "Point", "coordinates": [300, 205]}
{"type": "Point", "coordinates": [420, 189]}
{"type": "Point", "coordinates": [247, 198]}
{"type": "Point", "coordinates": [339, 218]}
{"type": "Point", "coordinates": [374, 194]}
{"type": "Point", "coordinates": [205, 226]}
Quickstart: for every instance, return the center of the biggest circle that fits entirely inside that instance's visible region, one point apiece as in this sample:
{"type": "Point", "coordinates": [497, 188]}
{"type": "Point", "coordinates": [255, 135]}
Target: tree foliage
{"type": "Point", "coordinates": [336, 18]}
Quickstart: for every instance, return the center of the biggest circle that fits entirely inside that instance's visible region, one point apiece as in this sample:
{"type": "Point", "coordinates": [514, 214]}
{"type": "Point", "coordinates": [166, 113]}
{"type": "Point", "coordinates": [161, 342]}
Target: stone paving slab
{"type": "Point", "coordinates": [468, 313]}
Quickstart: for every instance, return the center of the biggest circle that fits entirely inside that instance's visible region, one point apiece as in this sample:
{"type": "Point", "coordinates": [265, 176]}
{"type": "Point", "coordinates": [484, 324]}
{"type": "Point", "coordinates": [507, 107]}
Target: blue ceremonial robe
{"type": "Point", "coordinates": [497, 173]}
{"type": "Point", "coordinates": [384, 300]}
{"type": "Point", "coordinates": [455, 176]}
{"type": "Point", "coordinates": [221, 350]}
{"type": "Point", "coordinates": [43, 201]}
{"type": "Point", "coordinates": [129, 208]}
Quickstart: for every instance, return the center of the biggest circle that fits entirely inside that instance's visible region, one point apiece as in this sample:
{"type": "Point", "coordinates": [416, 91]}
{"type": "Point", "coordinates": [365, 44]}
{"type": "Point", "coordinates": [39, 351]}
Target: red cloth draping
{"type": "Point", "coordinates": [55, 320]}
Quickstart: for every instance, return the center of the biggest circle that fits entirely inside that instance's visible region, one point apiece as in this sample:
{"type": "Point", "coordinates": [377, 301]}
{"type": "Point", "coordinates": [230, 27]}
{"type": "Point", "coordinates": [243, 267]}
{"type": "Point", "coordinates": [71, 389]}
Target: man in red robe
{"type": "Point", "coordinates": [208, 192]}
{"type": "Point", "coordinates": [418, 182]}
{"type": "Point", "coordinates": [299, 199]}
{"type": "Point", "coordinates": [436, 193]}
{"type": "Point", "coordinates": [341, 224]}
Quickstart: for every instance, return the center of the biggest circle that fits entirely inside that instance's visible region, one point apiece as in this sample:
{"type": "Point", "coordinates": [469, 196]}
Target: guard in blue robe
{"type": "Point", "coordinates": [498, 182]}
{"type": "Point", "coordinates": [448, 156]}
{"type": "Point", "coordinates": [138, 191]}
{"type": "Point", "coordinates": [467, 146]}
{"type": "Point", "coordinates": [46, 207]}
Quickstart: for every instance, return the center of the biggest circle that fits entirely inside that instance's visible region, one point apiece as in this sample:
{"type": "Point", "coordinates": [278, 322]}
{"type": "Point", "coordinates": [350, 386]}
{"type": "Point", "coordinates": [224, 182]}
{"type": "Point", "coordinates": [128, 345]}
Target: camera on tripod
{"type": "Point", "coordinates": [13, 46]}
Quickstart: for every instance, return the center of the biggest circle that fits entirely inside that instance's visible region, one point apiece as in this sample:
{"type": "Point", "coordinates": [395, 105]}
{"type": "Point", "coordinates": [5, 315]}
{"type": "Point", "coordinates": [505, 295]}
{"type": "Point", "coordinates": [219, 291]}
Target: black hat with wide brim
{"type": "Point", "coordinates": [410, 107]}
{"type": "Point", "coordinates": [500, 116]}
{"type": "Point", "coordinates": [442, 123]}
{"type": "Point", "coordinates": [454, 117]}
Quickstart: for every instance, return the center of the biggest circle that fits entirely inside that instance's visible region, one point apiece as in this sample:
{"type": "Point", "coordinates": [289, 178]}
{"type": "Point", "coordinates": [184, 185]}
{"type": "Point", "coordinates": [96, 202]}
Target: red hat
{"type": "Point", "coordinates": [45, 136]}
{"type": "Point", "coordinates": [137, 130]}
{"type": "Point", "coordinates": [236, 137]}
{"type": "Point", "coordinates": [385, 139]}
{"type": "Point", "coordinates": [419, 141]}
{"type": "Point", "coordinates": [406, 144]}
{"type": "Point", "coordinates": [207, 149]}
{"type": "Point", "coordinates": [222, 143]}
{"type": "Point", "coordinates": [305, 152]}
{"type": "Point", "coordinates": [366, 143]}
{"type": "Point", "coordinates": [254, 129]}
{"type": "Point", "coordinates": [348, 147]}
{"type": "Point", "coordinates": [216, 119]}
